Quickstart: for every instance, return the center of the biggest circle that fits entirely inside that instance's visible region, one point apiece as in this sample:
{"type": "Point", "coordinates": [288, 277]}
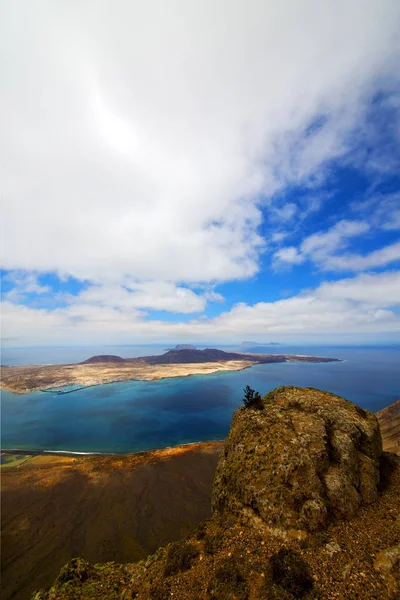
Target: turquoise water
{"type": "Point", "coordinates": [136, 416]}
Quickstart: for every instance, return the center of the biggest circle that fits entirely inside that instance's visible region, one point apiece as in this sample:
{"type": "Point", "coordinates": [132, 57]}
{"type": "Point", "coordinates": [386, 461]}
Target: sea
{"type": "Point", "coordinates": [135, 416]}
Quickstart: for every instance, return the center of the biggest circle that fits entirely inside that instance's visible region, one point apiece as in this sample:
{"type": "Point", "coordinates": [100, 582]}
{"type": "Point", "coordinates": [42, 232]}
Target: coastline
{"type": "Point", "coordinates": [79, 454]}
{"type": "Point", "coordinates": [14, 380]}
{"type": "Point", "coordinates": [52, 378]}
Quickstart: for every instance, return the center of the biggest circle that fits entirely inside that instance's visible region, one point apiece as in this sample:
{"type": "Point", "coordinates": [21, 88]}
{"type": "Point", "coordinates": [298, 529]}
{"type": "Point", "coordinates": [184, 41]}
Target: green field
{"type": "Point", "coordinates": [13, 460]}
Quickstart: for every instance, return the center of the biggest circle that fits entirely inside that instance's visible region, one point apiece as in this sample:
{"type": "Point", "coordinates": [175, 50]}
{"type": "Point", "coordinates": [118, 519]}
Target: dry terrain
{"type": "Point", "coordinates": [26, 379]}
{"type": "Point", "coordinates": [102, 369]}
{"type": "Point", "coordinates": [244, 552]}
{"type": "Point", "coordinates": [103, 508]}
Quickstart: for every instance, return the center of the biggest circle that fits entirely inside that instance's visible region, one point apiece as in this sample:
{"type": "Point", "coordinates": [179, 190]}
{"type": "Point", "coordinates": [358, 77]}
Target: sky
{"type": "Point", "coordinates": [205, 172]}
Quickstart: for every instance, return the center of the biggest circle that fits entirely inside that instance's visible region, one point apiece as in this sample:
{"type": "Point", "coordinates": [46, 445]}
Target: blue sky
{"type": "Point", "coordinates": [240, 182]}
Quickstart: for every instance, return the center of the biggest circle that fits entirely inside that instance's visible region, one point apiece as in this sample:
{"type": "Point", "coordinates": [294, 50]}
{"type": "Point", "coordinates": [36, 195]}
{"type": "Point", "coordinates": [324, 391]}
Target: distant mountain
{"type": "Point", "coordinates": [183, 347]}
{"type": "Point", "coordinates": [192, 356]}
{"type": "Point", "coordinates": [103, 358]}
{"type": "Point", "coordinates": [256, 344]}
{"type": "Point", "coordinates": [214, 355]}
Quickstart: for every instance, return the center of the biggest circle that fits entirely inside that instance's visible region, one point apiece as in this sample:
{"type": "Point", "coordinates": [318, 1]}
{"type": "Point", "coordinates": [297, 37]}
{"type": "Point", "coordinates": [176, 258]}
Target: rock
{"type": "Point", "coordinates": [307, 458]}
{"type": "Point", "coordinates": [332, 548]}
{"type": "Point", "coordinates": [387, 563]}
{"type": "Point", "coordinates": [386, 559]}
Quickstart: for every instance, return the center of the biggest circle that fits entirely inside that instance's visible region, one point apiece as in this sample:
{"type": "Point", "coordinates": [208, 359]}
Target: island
{"type": "Point", "coordinates": [256, 344]}
{"type": "Point", "coordinates": [102, 369]}
{"type": "Point", "coordinates": [183, 347]}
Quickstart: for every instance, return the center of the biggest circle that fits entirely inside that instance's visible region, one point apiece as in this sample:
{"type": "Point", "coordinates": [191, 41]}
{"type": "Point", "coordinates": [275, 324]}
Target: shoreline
{"type": "Point", "coordinates": [80, 454]}
{"type": "Point", "coordinates": [27, 379]}
{"type": "Point", "coordinates": [151, 377]}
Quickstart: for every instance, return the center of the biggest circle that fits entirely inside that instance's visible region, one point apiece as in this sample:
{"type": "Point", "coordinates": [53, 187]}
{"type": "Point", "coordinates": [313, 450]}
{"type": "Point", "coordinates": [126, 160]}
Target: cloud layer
{"type": "Point", "coordinates": [148, 143]}
{"type": "Point", "coordinates": [364, 304]}
{"type": "Point", "coordinates": [141, 139]}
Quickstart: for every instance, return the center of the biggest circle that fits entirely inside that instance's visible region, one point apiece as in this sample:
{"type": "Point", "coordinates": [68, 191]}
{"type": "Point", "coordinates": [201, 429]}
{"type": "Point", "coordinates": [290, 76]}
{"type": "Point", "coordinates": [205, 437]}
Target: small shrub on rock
{"type": "Point", "coordinates": [291, 572]}
{"type": "Point", "coordinates": [160, 591]}
{"type": "Point", "coordinates": [76, 570]}
{"type": "Point", "coordinates": [200, 531]}
{"type": "Point", "coordinates": [212, 543]}
{"type": "Point", "coordinates": [252, 399]}
{"type": "Point", "coordinates": [228, 581]}
{"type": "Point", "coordinates": [180, 557]}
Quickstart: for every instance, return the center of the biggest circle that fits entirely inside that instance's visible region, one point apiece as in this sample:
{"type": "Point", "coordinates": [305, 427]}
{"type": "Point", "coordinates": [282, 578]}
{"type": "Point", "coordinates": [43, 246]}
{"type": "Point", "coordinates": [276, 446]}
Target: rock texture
{"type": "Point", "coordinates": [305, 459]}
{"type": "Point", "coordinates": [298, 468]}
{"type": "Point", "coordinates": [389, 421]}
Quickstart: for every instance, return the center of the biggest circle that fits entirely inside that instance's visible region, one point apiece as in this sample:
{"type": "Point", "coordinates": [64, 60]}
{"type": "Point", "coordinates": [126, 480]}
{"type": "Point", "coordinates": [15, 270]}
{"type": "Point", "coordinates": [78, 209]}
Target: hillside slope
{"type": "Point", "coordinates": [119, 508]}
{"type": "Point", "coordinates": [305, 505]}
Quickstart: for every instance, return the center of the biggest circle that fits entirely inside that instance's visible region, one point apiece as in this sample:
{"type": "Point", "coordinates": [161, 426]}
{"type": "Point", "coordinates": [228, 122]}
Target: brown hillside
{"type": "Point", "coordinates": [103, 508]}
{"type": "Point", "coordinates": [304, 506]}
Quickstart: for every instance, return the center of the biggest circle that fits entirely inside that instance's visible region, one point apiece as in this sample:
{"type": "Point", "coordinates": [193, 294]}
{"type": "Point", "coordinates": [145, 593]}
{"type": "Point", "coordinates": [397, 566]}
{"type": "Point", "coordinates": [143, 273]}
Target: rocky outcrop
{"type": "Point", "coordinates": [298, 465]}
{"type": "Point", "coordinates": [305, 459]}
{"type": "Point", "coordinates": [389, 422]}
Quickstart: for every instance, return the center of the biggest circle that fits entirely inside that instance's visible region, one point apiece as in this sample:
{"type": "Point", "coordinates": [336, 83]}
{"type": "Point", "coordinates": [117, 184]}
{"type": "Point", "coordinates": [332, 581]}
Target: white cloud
{"type": "Point", "coordinates": [358, 305]}
{"type": "Point", "coordinates": [334, 239]}
{"type": "Point", "coordinates": [380, 290]}
{"type": "Point", "coordinates": [322, 246]}
{"type": "Point", "coordinates": [148, 295]}
{"type": "Point", "coordinates": [140, 136]}
{"type": "Point", "coordinates": [23, 284]}
{"type": "Point", "coordinates": [357, 262]}
{"type": "Point", "coordinates": [289, 255]}
{"type": "Point", "coordinates": [285, 212]}
{"type": "Point", "coordinates": [383, 211]}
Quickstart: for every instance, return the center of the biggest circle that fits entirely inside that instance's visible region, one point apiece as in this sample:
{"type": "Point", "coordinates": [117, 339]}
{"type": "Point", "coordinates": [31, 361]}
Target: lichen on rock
{"type": "Point", "coordinates": [308, 457]}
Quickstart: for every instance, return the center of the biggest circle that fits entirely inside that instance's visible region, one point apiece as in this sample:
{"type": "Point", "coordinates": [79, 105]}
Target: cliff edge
{"type": "Point", "coordinates": [304, 458]}
{"type": "Point", "coordinates": [305, 505]}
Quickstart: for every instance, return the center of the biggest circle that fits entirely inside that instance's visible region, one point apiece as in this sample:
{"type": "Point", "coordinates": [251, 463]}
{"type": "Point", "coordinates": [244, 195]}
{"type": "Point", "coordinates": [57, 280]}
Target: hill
{"type": "Point", "coordinates": [305, 505]}
{"type": "Point", "coordinates": [103, 358]}
{"type": "Point", "coordinates": [119, 508]}
{"type": "Point", "coordinates": [212, 355]}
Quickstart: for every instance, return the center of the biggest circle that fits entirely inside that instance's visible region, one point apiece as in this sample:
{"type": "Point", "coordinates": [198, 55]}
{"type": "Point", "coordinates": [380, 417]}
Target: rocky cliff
{"type": "Point", "coordinates": [305, 505]}
{"type": "Point", "coordinates": [389, 421]}
{"type": "Point", "coordinates": [304, 459]}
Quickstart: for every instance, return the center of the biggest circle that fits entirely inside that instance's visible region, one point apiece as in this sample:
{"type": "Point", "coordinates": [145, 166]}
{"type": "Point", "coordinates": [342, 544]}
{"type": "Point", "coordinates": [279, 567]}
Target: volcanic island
{"type": "Point", "coordinates": [102, 369]}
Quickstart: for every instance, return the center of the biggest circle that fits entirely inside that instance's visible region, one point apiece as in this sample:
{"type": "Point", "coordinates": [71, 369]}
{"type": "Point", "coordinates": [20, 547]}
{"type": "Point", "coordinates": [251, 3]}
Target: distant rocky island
{"type": "Point", "coordinates": [183, 347]}
{"type": "Point", "coordinates": [102, 369]}
{"type": "Point", "coordinates": [255, 344]}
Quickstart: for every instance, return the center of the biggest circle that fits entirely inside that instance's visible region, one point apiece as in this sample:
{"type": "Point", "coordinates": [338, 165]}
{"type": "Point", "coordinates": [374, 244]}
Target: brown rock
{"type": "Point", "coordinates": [308, 457]}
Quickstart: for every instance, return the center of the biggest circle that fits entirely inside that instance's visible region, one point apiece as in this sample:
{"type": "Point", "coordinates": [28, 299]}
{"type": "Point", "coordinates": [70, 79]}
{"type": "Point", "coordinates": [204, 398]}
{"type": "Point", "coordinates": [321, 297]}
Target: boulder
{"type": "Point", "coordinates": [304, 459]}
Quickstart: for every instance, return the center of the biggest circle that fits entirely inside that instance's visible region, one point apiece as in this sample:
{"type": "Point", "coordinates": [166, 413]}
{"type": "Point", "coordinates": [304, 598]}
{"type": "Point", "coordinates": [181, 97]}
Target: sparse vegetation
{"type": "Point", "coordinates": [291, 572]}
{"type": "Point", "coordinates": [252, 399]}
{"type": "Point", "coordinates": [229, 581]}
{"type": "Point", "coordinates": [76, 570]}
{"type": "Point", "coordinates": [212, 543]}
{"type": "Point", "coordinates": [200, 531]}
{"type": "Point", "coordinates": [180, 557]}
{"type": "Point", "coordinates": [160, 591]}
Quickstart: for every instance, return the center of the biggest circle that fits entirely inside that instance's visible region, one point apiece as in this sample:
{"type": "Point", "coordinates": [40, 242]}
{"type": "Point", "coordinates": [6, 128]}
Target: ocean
{"type": "Point", "coordinates": [136, 416]}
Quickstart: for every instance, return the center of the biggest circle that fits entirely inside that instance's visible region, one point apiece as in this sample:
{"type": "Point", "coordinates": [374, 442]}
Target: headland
{"type": "Point", "coordinates": [103, 369]}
